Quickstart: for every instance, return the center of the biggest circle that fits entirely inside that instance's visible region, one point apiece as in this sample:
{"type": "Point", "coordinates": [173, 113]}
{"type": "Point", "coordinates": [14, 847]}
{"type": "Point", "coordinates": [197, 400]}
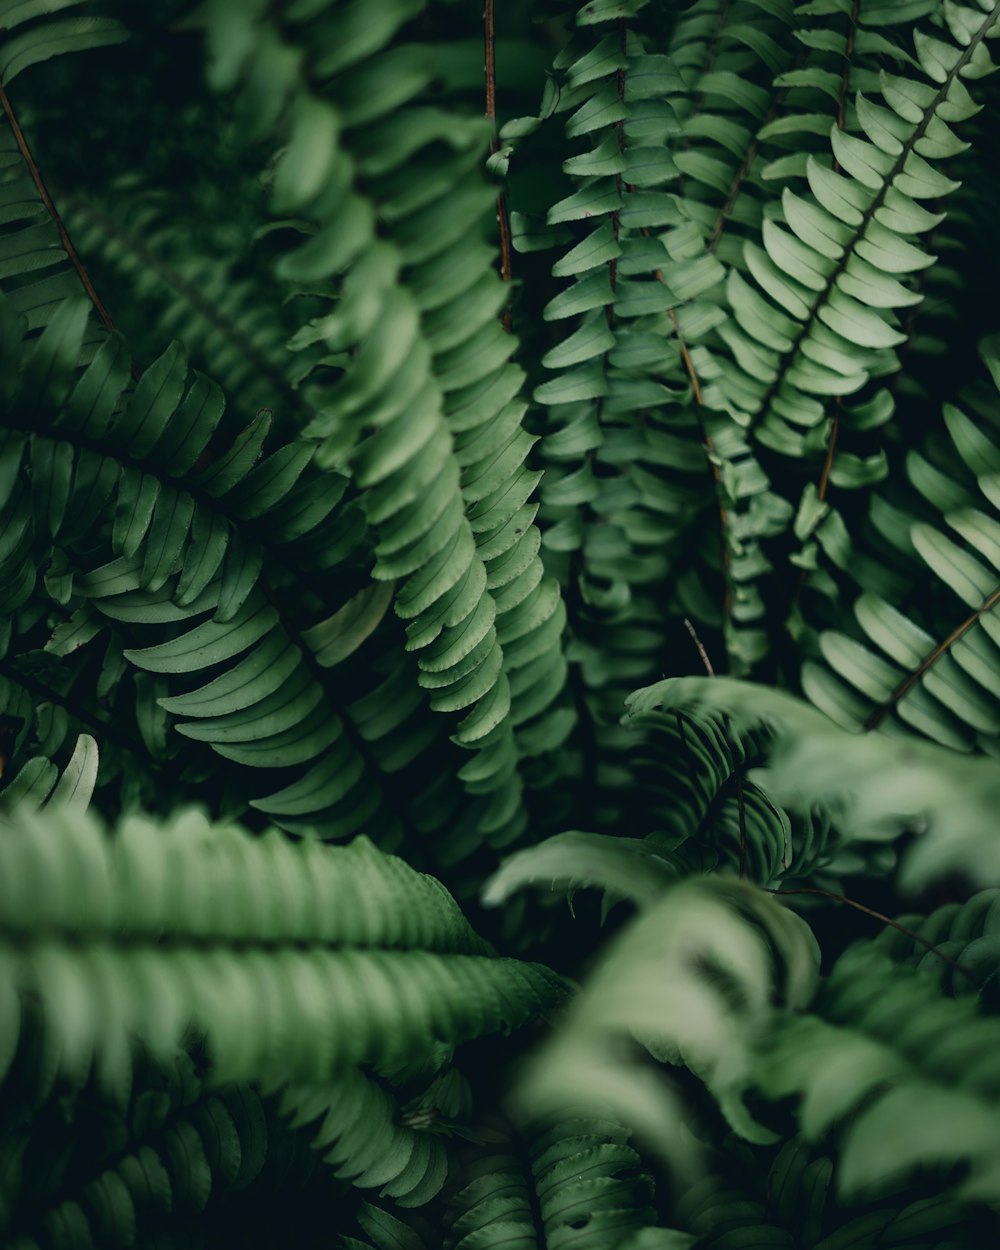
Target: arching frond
{"type": "Point", "coordinates": [877, 786]}
{"type": "Point", "coordinates": [349, 956]}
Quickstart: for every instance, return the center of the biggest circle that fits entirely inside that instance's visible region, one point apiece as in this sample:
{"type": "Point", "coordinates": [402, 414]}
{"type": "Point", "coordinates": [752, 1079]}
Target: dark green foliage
{"type": "Point", "coordinates": [342, 579]}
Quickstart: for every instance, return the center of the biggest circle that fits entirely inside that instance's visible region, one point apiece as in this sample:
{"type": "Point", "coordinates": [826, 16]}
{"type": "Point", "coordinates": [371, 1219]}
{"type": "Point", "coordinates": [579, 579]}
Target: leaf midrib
{"type": "Point", "coordinates": [789, 358]}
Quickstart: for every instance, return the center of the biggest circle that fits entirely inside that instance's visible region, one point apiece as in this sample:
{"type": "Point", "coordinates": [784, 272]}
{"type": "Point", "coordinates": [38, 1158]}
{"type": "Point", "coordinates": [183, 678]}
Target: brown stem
{"type": "Point", "coordinates": [883, 710]}
{"type": "Point", "coordinates": [734, 187]}
{"type": "Point", "coordinates": [67, 242]}
{"type": "Point", "coordinates": [710, 451]}
{"type": "Point", "coordinates": [620, 134]}
{"type": "Point", "coordinates": [831, 448]}
{"type": "Point", "coordinates": [489, 40]}
{"type": "Point", "coordinates": [712, 53]}
{"type": "Point", "coordinates": [503, 215]}
{"type": "Point", "coordinates": [709, 669]}
{"type": "Point", "coordinates": [877, 915]}
{"type": "Point", "coordinates": [845, 80]}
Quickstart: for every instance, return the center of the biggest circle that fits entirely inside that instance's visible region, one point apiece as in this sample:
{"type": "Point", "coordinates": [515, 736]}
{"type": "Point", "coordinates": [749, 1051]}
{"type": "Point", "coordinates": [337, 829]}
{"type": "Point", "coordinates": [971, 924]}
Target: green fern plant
{"type": "Point", "coordinates": [420, 484]}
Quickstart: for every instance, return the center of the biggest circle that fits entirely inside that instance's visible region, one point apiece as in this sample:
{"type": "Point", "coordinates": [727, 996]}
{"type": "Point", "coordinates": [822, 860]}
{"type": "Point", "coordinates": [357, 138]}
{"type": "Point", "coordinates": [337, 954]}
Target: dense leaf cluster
{"type": "Point", "coordinates": [412, 520]}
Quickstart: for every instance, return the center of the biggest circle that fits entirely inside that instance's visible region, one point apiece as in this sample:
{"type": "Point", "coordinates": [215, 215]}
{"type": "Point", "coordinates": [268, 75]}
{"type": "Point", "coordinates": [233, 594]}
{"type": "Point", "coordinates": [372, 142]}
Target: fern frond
{"type": "Point", "coordinates": [876, 786]}
{"type": "Point", "coordinates": [964, 937]}
{"type": "Point", "coordinates": [866, 215]}
{"type": "Point", "coordinates": [624, 867]}
{"type": "Point", "coordinates": [212, 522]}
{"type": "Point", "coordinates": [354, 1122]}
{"type": "Point", "coordinates": [811, 294]}
{"type": "Point", "coordinates": [335, 924]}
{"type": "Point", "coordinates": [880, 1034]}
{"type": "Point", "coordinates": [930, 669]}
{"type": "Point", "coordinates": [693, 980]}
{"type": "Point", "coordinates": [176, 1151]}
{"type": "Point", "coordinates": [448, 500]}
{"type": "Point", "coordinates": [40, 36]}
{"type": "Point", "coordinates": [224, 316]}
{"type": "Point", "coordinates": [576, 1185]}
{"type": "Point", "coordinates": [694, 768]}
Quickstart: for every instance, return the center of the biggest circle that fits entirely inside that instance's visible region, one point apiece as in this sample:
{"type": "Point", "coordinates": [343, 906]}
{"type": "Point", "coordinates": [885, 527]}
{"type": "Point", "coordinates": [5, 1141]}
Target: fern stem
{"type": "Point", "coordinates": [752, 152]}
{"type": "Point", "coordinates": [741, 175]}
{"type": "Point", "coordinates": [711, 53]}
{"type": "Point", "coordinates": [700, 646]}
{"type": "Point", "coordinates": [845, 79]}
{"type": "Point", "coordinates": [503, 215]}
{"type": "Point", "coordinates": [877, 915]}
{"type": "Point", "coordinates": [44, 693]}
{"type": "Point", "coordinates": [831, 444]}
{"type": "Point", "coordinates": [831, 449]}
{"type": "Point", "coordinates": [709, 446]}
{"type": "Point", "coordinates": [882, 711]}
{"type": "Point", "coordinates": [57, 221]}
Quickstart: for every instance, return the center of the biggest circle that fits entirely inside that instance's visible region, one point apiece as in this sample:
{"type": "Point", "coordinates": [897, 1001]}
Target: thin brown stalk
{"type": "Point", "coordinates": [709, 446]}
{"type": "Point", "coordinates": [43, 191]}
{"type": "Point", "coordinates": [700, 646]}
{"type": "Point", "coordinates": [845, 82]}
{"type": "Point", "coordinates": [877, 915]}
{"type": "Point", "coordinates": [831, 446]}
{"type": "Point", "coordinates": [712, 53]}
{"type": "Point", "coordinates": [831, 450]}
{"type": "Point", "coordinates": [845, 79]}
{"type": "Point", "coordinates": [503, 215]}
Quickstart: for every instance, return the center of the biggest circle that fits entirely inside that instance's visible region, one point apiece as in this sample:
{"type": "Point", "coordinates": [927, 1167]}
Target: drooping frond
{"type": "Point", "coordinates": [693, 980]}
{"type": "Point", "coordinates": [908, 1074]}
